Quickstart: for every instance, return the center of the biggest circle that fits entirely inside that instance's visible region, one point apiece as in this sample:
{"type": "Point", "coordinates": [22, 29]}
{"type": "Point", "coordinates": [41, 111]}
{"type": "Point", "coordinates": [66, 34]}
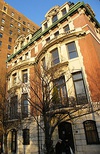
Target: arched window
{"type": "Point", "coordinates": [91, 132]}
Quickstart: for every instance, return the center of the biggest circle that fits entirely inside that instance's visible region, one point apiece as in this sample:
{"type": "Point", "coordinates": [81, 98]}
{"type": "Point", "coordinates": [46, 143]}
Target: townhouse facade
{"type": "Point", "coordinates": [67, 44]}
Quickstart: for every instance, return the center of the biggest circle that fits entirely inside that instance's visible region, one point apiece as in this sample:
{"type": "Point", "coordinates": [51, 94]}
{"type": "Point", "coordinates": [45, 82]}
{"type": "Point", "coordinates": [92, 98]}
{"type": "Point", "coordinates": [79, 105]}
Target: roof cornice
{"type": "Point", "coordinates": [37, 35]}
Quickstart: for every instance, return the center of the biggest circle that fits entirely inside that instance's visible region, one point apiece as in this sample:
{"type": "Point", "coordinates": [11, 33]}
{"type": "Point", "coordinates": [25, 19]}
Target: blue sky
{"type": "Point", "coordinates": [36, 9]}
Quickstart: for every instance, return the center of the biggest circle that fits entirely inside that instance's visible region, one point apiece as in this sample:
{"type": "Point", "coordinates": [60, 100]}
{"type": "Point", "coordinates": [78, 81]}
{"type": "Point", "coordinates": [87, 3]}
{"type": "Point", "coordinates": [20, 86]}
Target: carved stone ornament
{"type": "Point", "coordinates": [53, 11]}
{"type": "Point", "coordinates": [20, 39]}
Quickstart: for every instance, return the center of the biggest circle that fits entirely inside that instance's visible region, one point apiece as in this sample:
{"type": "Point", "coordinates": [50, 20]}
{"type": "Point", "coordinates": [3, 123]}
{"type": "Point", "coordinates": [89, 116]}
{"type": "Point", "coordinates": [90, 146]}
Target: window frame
{"type": "Point", "coordinates": [9, 47]}
{"type": "Point", "coordinates": [10, 39]}
{"type": "Point", "coordinates": [54, 57]}
{"type": "Point", "coordinates": [56, 33]}
{"type": "Point", "coordinates": [2, 28]}
{"type": "Point", "coordinates": [64, 11]}
{"type": "Point", "coordinates": [45, 25]}
{"type": "Point", "coordinates": [14, 107]}
{"type": "Point", "coordinates": [1, 35]}
{"type": "Point", "coordinates": [91, 132]}
{"type": "Point", "coordinates": [80, 101]}
{"type": "Point", "coordinates": [5, 8]}
{"type": "Point", "coordinates": [66, 28]}
{"type": "Point", "coordinates": [10, 32]}
{"type": "Point", "coordinates": [25, 76]}
{"type": "Point", "coordinates": [24, 105]}
{"type": "Point", "coordinates": [73, 52]}
{"type": "Point", "coordinates": [14, 78]}
{"type": "Point", "coordinates": [47, 39]}
{"type": "Point", "coordinates": [54, 18]}
{"type": "Point", "coordinates": [3, 21]}
{"type": "Point", "coordinates": [12, 14]}
{"type": "Point", "coordinates": [0, 43]}
{"type": "Point", "coordinates": [60, 84]}
{"type": "Point", "coordinates": [26, 136]}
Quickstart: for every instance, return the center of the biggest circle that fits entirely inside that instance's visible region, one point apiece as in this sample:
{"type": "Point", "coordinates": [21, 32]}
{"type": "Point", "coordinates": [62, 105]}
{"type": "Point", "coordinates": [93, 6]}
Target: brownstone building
{"type": "Point", "coordinates": [12, 25]}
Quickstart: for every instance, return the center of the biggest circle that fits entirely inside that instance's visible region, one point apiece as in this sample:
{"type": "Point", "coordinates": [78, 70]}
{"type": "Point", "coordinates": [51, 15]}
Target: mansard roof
{"type": "Point", "coordinates": [37, 35]}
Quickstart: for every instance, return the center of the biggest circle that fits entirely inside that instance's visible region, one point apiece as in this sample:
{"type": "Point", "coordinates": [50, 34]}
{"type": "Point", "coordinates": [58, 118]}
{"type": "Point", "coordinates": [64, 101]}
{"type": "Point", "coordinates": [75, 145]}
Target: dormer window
{"type": "Point", "coordinates": [27, 39]}
{"type": "Point", "coordinates": [45, 25]}
{"type": "Point", "coordinates": [15, 48]}
{"type": "Point", "coordinates": [64, 11]}
{"type": "Point", "coordinates": [54, 18]}
{"type": "Point", "coordinates": [22, 43]}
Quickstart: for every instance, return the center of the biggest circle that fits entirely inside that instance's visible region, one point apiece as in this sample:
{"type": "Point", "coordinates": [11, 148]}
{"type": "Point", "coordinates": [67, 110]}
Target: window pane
{"type": "Point", "coordinates": [62, 91]}
{"type": "Point", "coordinates": [72, 54]}
{"type": "Point", "coordinates": [79, 88]}
{"type": "Point", "coordinates": [24, 76]}
{"type": "Point", "coordinates": [13, 108]}
{"type": "Point", "coordinates": [77, 76]}
{"type": "Point", "coordinates": [72, 50]}
{"type": "Point", "coordinates": [55, 57]}
{"type": "Point", "coordinates": [1, 35]}
{"type": "Point", "coordinates": [56, 34]}
{"type": "Point", "coordinates": [25, 105]}
{"type": "Point", "coordinates": [54, 18]}
{"type": "Point", "coordinates": [66, 28]}
{"type": "Point", "coordinates": [64, 11]}
{"type": "Point", "coordinates": [48, 39]}
{"type": "Point", "coordinates": [45, 25]}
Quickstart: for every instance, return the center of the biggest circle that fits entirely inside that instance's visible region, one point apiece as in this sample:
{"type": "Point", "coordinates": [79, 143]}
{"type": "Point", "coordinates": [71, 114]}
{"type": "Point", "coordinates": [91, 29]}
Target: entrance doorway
{"type": "Point", "coordinates": [65, 132]}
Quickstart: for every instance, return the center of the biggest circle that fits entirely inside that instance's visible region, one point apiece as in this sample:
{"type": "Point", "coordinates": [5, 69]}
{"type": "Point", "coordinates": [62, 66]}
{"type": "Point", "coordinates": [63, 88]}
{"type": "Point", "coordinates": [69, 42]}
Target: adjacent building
{"type": "Point", "coordinates": [12, 25]}
{"type": "Point", "coordinates": [69, 43]}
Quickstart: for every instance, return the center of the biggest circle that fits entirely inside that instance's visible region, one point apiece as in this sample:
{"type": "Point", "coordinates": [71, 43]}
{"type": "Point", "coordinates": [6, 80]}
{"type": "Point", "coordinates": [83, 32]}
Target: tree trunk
{"type": "Point", "coordinates": [49, 146]}
{"type": "Point", "coordinates": [48, 140]}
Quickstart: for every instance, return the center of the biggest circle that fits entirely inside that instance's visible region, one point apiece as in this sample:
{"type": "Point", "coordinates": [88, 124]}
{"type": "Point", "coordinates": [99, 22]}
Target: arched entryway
{"type": "Point", "coordinates": [65, 132]}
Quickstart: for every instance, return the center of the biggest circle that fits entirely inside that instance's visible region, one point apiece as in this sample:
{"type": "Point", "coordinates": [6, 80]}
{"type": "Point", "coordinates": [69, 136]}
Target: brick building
{"type": "Point", "coordinates": [12, 25]}
{"type": "Point", "coordinates": [67, 44]}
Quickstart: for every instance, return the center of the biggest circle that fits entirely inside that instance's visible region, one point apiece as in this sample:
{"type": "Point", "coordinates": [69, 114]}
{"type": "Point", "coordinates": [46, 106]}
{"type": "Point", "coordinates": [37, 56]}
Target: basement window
{"type": "Point", "coordinates": [91, 132]}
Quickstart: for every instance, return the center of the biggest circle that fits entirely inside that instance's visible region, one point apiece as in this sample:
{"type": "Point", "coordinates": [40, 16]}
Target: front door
{"type": "Point", "coordinates": [65, 133]}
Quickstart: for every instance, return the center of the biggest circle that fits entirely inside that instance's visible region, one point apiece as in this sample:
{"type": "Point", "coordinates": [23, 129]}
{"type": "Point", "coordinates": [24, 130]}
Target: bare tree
{"type": "Point", "coordinates": [51, 104]}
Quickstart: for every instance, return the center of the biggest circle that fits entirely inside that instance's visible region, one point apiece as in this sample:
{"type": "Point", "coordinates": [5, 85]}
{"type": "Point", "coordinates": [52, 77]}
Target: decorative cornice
{"type": "Point", "coordinates": [59, 39]}
{"type": "Point", "coordinates": [39, 33]}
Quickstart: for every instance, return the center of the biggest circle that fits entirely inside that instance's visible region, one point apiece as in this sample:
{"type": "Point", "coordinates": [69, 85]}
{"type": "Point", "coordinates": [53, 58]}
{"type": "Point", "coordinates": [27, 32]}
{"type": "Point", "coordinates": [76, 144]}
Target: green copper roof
{"type": "Point", "coordinates": [39, 32]}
